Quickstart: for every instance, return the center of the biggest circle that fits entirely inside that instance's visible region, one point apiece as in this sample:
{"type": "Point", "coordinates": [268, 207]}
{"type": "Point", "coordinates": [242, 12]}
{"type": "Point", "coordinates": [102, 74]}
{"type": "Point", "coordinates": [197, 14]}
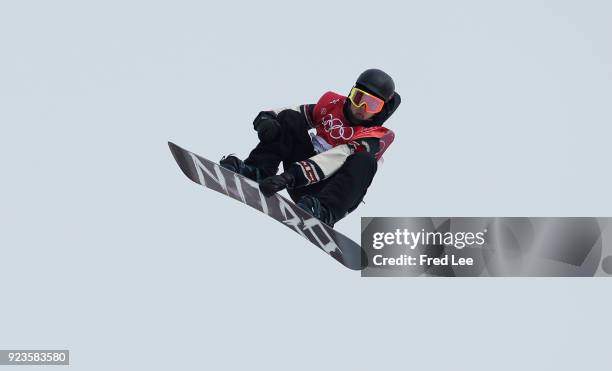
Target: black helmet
{"type": "Point", "coordinates": [376, 82]}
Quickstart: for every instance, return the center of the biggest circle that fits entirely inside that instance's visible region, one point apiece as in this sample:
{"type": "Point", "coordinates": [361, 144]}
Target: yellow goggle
{"type": "Point", "coordinates": [372, 103]}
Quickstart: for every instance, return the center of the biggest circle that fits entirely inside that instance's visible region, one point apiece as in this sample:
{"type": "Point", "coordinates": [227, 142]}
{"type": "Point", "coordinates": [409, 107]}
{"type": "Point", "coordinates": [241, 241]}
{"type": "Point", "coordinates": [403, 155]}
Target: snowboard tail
{"type": "Point", "coordinates": [240, 188]}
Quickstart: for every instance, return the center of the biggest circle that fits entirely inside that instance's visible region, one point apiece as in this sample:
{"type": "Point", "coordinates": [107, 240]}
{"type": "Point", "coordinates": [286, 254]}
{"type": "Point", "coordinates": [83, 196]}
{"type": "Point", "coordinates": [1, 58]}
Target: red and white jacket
{"type": "Point", "coordinates": [336, 138]}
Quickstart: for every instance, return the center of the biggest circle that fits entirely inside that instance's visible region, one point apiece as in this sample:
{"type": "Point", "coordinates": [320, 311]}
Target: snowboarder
{"type": "Point", "coordinates": [327, 173]}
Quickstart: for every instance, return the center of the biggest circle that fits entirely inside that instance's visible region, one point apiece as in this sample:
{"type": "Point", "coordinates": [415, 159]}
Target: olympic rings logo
{"type": "Point", "coordinates": [336, 129]}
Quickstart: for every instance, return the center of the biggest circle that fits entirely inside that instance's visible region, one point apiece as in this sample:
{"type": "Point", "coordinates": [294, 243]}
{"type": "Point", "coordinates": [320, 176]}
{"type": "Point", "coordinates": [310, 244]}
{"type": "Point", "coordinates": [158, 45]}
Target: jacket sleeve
{"type": "Point", "coordinates": [305, 109]}
{"type": "Point", "coordinates": [325, 164]}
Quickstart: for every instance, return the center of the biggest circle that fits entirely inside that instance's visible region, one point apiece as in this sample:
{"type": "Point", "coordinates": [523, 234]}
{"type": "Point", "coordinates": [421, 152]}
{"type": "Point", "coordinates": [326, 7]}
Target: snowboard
{"type": "Point", "coordinates": [240, 188]}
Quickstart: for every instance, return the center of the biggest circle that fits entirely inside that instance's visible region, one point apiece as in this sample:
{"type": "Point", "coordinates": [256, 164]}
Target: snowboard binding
{"type": "Point", "coordinates": [314, 207]}
{"type": "Point", "coordinates": [233, 163]}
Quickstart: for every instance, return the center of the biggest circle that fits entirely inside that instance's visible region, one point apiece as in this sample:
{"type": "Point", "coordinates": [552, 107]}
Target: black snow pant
{"type": "Point", "coordinates": [341, 193]}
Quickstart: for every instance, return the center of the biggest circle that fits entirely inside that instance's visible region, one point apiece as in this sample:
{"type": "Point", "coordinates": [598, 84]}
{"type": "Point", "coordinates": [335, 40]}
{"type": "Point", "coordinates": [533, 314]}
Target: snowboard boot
{"type": "Point", "coordinates": [233, 163]}
{"type": "Point", "coordinates": [314, 207]}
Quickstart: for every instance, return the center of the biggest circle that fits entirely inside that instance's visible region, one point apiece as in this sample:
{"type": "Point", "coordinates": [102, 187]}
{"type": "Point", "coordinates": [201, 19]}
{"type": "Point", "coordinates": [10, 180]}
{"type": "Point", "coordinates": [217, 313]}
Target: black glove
{"type": "Point", "coordinates": [267, 130]}
{"type": "Point", "coordinates": [275, 183]}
